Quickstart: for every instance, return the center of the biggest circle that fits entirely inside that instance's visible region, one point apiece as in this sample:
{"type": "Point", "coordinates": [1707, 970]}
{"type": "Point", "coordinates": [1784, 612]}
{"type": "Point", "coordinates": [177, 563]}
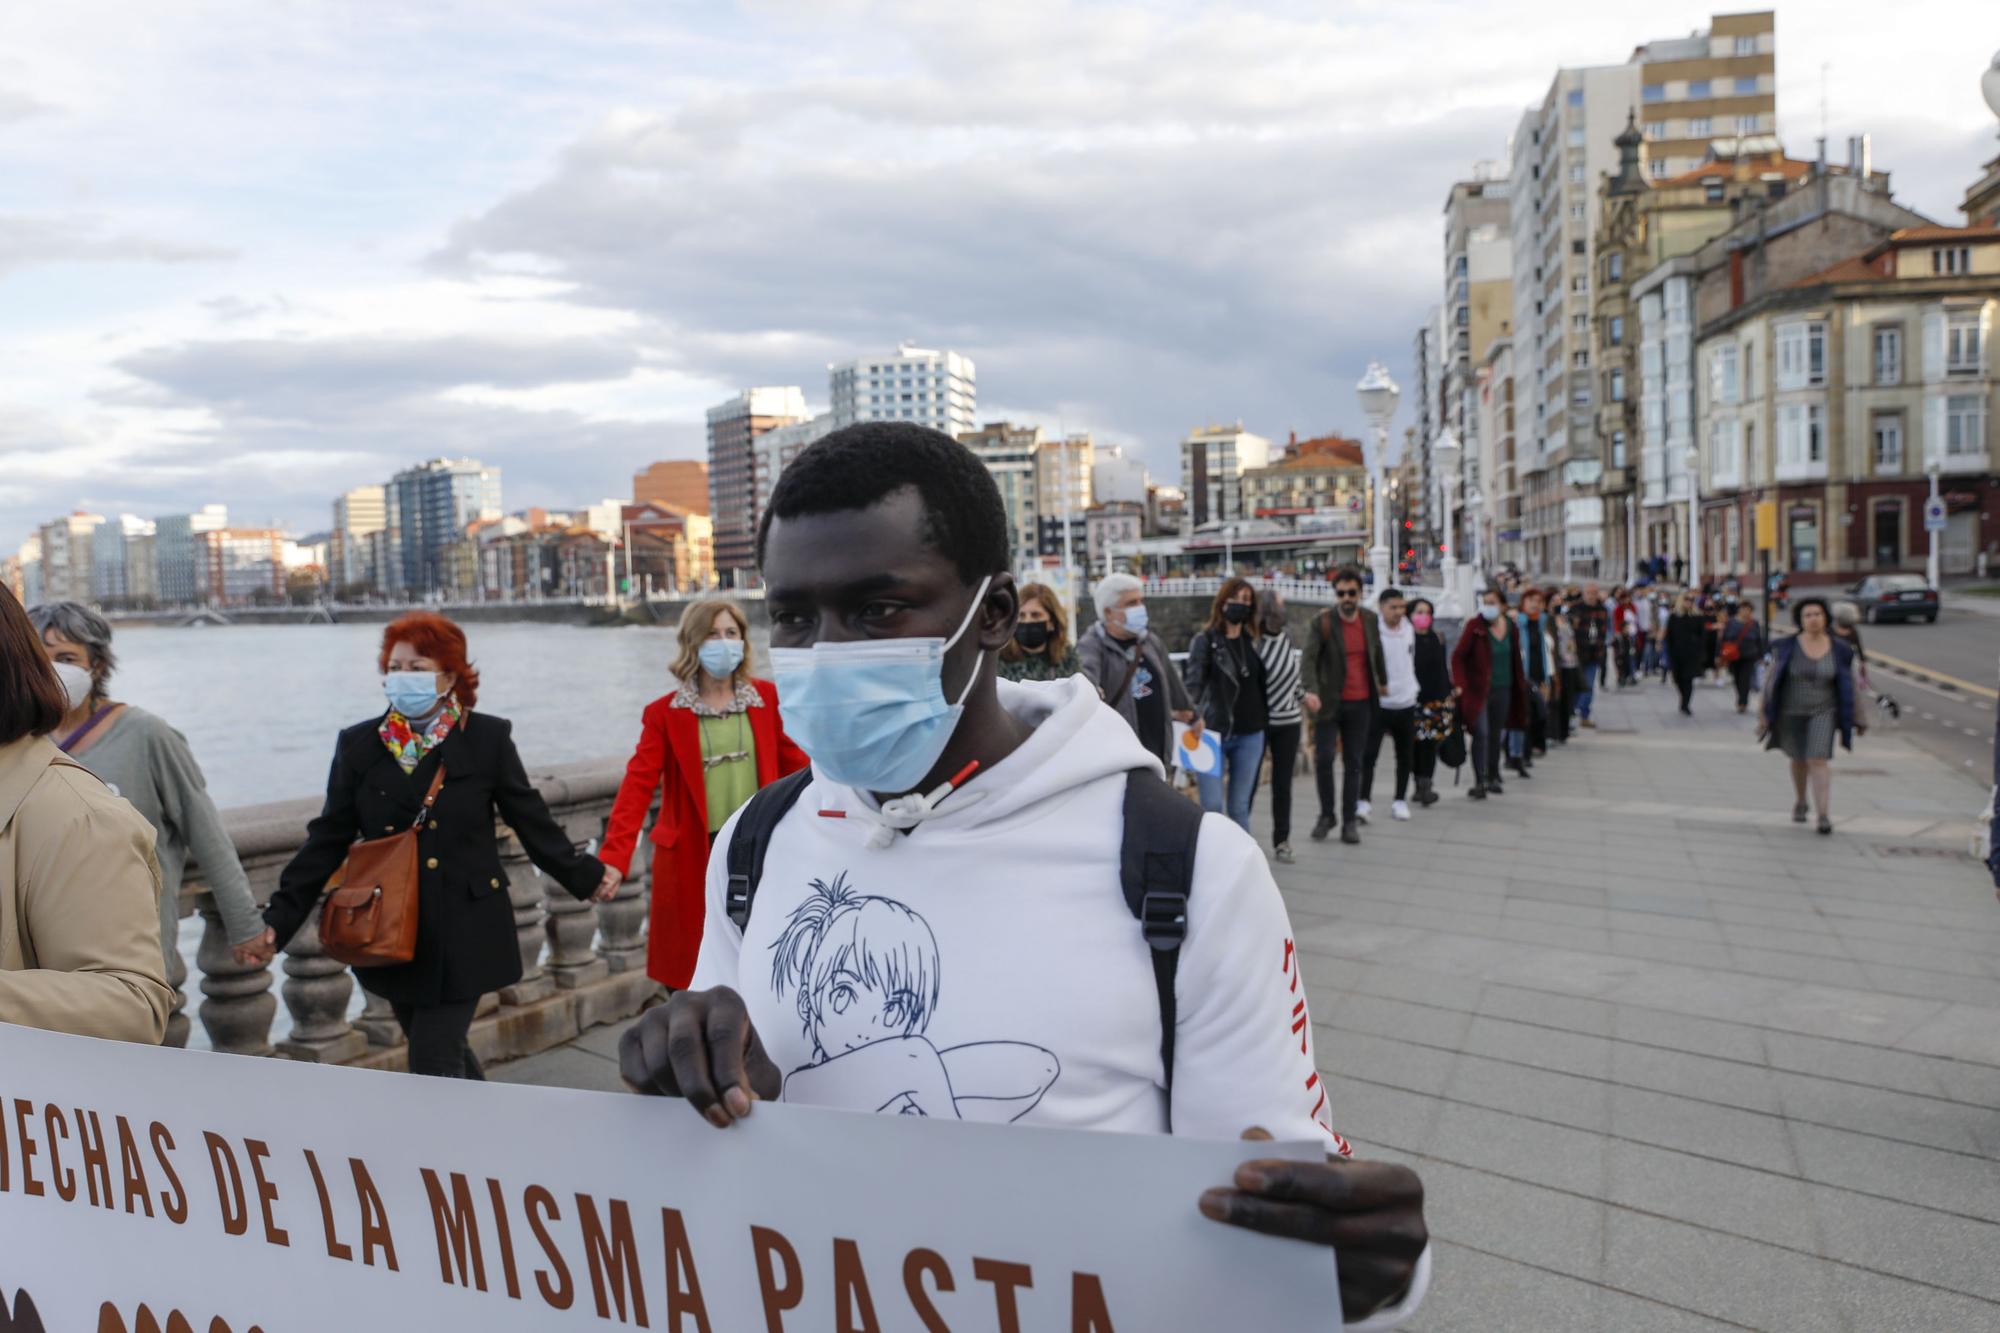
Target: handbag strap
{"type": "Point", "coordinates": [430, 797]}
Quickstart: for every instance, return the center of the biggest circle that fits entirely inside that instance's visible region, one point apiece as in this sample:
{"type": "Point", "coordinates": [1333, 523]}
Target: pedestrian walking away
{"type": "Point", "coordinates": [1741, 648]}
{"type": "Point", "coordinates": [1131, 667]}
{"type": "Point", "coordinates": [1281, 734]}
{"type": "Point", "coordinates": [1593, 627]}
{"type": "Point", "coordinates": [711, 741]}
{"type": "Point", "coordinates": [1226, 676]}
{"type": "Point", "coordinates": [1396, 718]}
{"type": "Point", "coordinates": [1437, 698]}
{"type": "Point", "coordinates": [431, 740]}
{"type": "Point", "coordinates": [1567, 678]}
{"type": "Point", "coordinates": [1847, 629]}
{"type": "Point", "coordinates": [1041, 649]}
{"type": "Point", "coordinates": [143, 759]}
{"type": "Point", "coordinates": [1808, 700]}
{"type": "Point", "coordinates": [1493, 689]}
{"type": "Point", "coordinates": [79, 884]}
{"type": "Point", "coordinates": [869, 947]}
{"type": "Point", "coordinates": [1344, 676]}
{"type": "Point", "coordinates": [1687, 631]}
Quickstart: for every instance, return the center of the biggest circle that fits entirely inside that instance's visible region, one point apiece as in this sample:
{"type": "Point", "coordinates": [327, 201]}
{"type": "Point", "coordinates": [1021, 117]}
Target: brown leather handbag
{"type": "Point", "coordinates": [369, 918]}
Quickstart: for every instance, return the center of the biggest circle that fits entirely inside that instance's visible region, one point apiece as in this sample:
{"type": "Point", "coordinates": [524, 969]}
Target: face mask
{"type": "Point", "coordinates": [719, 657]}
{"type": "Point", "coordinates": [411, 693]}
{"type": "Point", "coordinates": [1421, 621]}
{"type": "Point", "coordinates": [76, 682]}
{"type": "Point", "coordinates": [872, 713]}
{"type": "Point", "coordinates": [1032, 635]}
{"type": "Point", "coordinates": [1488, 611]}
{"type": "Point", "coordinates": [1237, 613]}
{"type": "Point", "coordinates": [1135, 619]}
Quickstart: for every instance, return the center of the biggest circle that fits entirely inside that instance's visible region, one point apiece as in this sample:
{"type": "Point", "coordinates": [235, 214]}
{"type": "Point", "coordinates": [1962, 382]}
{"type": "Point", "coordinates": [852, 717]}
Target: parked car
{"type": "Point", "coordinates": [1884, 597]}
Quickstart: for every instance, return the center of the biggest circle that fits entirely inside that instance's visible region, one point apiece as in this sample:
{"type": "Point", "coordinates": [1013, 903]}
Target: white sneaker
{"type": "Point", "coordinates": [1361, 811]}
{"type": "Point", "coordinates": [1400, 810]}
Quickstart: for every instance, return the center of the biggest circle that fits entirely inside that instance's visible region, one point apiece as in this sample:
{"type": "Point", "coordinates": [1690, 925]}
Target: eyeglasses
{"type": "Point", "coordinates": [1345, 593]}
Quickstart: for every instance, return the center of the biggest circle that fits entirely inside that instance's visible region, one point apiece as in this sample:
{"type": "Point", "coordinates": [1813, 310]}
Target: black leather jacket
{"type": "Point", "coordinates": [1216, 678]}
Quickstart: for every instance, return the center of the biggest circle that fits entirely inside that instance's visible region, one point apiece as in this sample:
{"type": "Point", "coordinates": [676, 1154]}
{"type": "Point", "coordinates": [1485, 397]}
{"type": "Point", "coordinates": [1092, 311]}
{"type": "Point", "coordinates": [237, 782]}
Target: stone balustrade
{"type": "Point", "coordinates": [582, 963]}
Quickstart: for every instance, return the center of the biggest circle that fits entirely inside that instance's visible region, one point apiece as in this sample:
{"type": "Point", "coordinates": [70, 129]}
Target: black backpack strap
{"type": "Point", "coordinates": [1156, 870]}
{"type": "Point", "coordinates": [752, 838]}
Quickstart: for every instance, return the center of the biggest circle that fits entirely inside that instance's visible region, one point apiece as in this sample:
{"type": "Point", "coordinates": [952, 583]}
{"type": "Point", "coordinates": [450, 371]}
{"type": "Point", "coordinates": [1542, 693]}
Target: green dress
{"type": "Point", "coordinates": [729, 765]}
{"type": "Point", "coordinates": [1038, 666]}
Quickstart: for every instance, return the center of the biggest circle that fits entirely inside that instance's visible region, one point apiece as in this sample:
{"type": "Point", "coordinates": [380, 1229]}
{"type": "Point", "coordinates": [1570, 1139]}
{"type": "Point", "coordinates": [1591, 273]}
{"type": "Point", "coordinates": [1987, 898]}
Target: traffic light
{"type": "Point", "coordinates": [1407, 525]}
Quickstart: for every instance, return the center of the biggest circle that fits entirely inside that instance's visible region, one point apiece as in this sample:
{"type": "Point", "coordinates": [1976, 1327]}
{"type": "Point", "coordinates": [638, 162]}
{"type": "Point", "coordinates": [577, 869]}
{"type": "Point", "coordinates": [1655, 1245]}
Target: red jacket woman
{"type": "Point", "coordinates": [713, 742]}
{"type": "Point", "coordinates": [1472, 673]}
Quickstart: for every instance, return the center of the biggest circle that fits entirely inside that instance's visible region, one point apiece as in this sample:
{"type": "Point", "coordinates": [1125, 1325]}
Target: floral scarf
{"type": "Point", "coordinates": [408, 746]}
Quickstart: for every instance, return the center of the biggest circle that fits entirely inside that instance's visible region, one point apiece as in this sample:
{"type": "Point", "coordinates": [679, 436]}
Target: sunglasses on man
{"type": "Point", "coordinates": [1346, 594]}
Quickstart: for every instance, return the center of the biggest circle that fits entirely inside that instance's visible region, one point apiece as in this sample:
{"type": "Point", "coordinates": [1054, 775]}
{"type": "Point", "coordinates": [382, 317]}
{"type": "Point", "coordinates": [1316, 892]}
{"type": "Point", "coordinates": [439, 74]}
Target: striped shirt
{"type": "Point", "coordinates": [1281, 673]}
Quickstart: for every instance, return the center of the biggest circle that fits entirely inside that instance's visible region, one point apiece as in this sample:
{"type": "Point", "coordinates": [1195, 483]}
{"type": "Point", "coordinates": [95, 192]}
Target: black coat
{"type": "Point", "coordinates": [466, 945]}
{"type": "Point", "coordinates": [1687, 643]}
{"type": "Point", "coordinates": [1216, 679]}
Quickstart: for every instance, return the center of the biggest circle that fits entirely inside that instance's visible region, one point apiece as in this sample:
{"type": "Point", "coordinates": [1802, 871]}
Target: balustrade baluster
{"type": "Point", "coordinates": [239, 1007]}
{"type": "Point", "coordinates": [317, 990]}
{"type": "Point", "coordinates": [569, 926]}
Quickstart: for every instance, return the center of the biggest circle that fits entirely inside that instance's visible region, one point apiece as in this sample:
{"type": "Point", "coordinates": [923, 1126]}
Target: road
{"type": "Point", "coordinates": [1944, 676]}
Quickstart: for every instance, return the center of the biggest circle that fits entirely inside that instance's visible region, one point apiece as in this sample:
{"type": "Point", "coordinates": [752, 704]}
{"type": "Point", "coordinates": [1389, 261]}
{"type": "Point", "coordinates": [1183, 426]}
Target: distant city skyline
{"type": "Point", "coordinates": [260, 257]}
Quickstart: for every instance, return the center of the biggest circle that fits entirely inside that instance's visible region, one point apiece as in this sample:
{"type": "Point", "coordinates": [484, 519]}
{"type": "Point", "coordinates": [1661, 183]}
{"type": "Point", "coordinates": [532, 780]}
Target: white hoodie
{"type": "Point", "coordinates": [985, 965]}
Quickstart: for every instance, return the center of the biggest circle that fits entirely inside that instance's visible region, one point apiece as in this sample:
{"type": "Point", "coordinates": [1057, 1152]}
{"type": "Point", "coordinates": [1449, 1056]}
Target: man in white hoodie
{"type": "Point", "coordinates": [939, 928]}
{"type": "Point", "coordinates": [1397, 717]}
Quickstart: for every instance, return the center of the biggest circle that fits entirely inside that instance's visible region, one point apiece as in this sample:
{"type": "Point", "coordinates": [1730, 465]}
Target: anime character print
{"type": "Point", "coordinates": [865, 974]}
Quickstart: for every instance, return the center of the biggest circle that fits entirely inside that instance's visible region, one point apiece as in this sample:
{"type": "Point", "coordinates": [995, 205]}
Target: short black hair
{"type": "Point", "coordinates": [1799, 611]}
{"type": "Point", "coordinates": [858, 466]}
{"type": "Point", "coordinates": [1344, 573]}
{"type": "Point", "coordinates": [1387, 593]}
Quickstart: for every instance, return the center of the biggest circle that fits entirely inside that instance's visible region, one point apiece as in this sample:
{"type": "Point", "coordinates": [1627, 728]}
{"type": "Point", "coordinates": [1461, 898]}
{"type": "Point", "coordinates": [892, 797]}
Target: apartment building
{"type": "Point", "coordinates": [426, 510]}
{"type": "Point", "coordinates": [1496, 506]}
{"type": "Point", "coordinates": [239, 565]}
{"type": "Point", "coordinates": [358, 515]}
{"type": "Point", "coordinates": [774, 451]}
{"type": "Point", "coordinates": [1012, 454]}
{"type": "Point", "coordinates": [1838, 394]}
{"type": "Point", "coordinates": [121, 562]}
{"type": "Point", "coordinates": [176, 561]}
{"type": "Point", "coordinates": [1328, 473]}
{"type": "Point", "coordinates": [1413, 470]}
{"type": "Point", "coordinates": [1477, 310]}
{"type": "Point", "coordinates": [1213, 461]}
{"type": "Point", "coordinates": [1719, 82]}
{"type": "Point", "coordinates": [939, 389]}
{"type": "Point", "coordinates": [733, 430]}
{"type": "Point", "coordinates": [679, 482]}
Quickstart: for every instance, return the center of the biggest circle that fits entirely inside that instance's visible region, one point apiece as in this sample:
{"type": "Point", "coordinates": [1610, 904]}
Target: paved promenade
{"type": "Point", "coordinates": [1665, 1059]}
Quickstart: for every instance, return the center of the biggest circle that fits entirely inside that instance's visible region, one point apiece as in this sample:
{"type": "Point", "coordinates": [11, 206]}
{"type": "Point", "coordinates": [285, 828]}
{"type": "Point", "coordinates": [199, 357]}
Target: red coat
{"type": "Point", "coordinates": [680, 836]}
{"type": "Point", "coordinates": [1472, 672]}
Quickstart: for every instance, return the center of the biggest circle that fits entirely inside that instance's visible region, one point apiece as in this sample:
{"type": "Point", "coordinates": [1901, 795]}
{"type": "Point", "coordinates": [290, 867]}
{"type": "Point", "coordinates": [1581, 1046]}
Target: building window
{"type": "Point", "coordinates": [1746, 84]}
{"type": "Point", "coordinates": [1659, 166]}
{"type": "Point", "coordinates": [1747, 124]}
{"type": "Point", "coordinates": [1745, 46]}
{"type": "Point", "coordinates": [1962, 349]}
{"type": "Point", "coordinates": [1801, 436]}
{"type": "Point", "coordinates": [1576, 212]}
{"type": "Point", "coordinates": [1581, 360]}
{"type": "Point", "coordinates": [1952, 259]}
{"type": "Point", "coordinates": [1580, 397]}
{"type": "Point", "coordinates": [1576, 139]}
{"type": "Point", "coordinates": [1753, 453]}
{"type": "Point", "coordinates": [1965, 426]}
{"type": "Point", "coordinates": [1698, 88]}
{"type": "Point", "coordinates": [1723, 385]}
{"type": "Point", "coordinates": [1888, 433]}
{"type": "Point", "coordinates": [1617, 445]}
{"type": "Point", "coordinates": [1615, 265]}
{"type": "Point", "coordinates": [1700, 127]}
{"type": "Point", "coordinates": [1653, 92]}
{"type": "Point", "coordinates": [1614, 331]}
{"type": "Point", "coordinates": [1655, 129]}
{"type": "Point", "coordinates": [1888, 343]}
{"type": "Point", "coordinates": [1801, 354]}
{"type": "Point", "coordinates": [1712, 191]}
{"type": "Point", "coordinates": [1576, 173]}
{"type": "Point", "coordinates": [1617, 385]}
{"type": "Point", "coordinates": [1574, 97]}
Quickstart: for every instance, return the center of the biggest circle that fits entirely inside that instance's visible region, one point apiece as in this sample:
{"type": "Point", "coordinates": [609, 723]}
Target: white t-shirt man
{"type": "Point", "coordinates": [1399, 655]}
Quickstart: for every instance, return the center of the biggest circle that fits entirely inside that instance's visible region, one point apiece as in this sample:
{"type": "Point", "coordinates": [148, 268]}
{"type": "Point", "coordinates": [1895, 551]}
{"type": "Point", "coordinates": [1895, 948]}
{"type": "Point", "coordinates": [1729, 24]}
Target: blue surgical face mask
{"type": "Point", "coordinates": [1489, 611]}
{"type": "Point", "coordinates": [411, 693]}
{"type": "Point", "coordinates": [872, 713]}
{"type": "Point", "coordinates": [1135, 619]}
{"type": "Point", "coordinates": [719, 657]}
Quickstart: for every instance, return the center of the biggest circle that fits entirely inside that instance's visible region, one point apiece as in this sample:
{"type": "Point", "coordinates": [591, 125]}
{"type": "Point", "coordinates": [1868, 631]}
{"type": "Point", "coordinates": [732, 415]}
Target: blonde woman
{"type": "Point", "coordinates": [713, 740]}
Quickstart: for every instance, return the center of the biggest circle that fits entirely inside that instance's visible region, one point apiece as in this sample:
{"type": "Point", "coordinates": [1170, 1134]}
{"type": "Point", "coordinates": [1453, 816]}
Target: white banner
{"type": "Point", "coordinates": [291, 1198]}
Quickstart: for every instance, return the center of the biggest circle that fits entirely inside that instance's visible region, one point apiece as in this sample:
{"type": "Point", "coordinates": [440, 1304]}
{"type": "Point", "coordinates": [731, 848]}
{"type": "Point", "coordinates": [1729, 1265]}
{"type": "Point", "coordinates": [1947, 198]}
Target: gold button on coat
{"type": "Point", "coordinates": [432, 863]}
{"type": "Point", "coordinates": [496, 883]}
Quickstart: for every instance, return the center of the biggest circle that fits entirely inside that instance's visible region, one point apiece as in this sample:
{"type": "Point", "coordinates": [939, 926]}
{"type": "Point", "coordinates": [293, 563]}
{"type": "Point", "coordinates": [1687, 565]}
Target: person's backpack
{"type": "Point", "coordinates": [1155, 869]}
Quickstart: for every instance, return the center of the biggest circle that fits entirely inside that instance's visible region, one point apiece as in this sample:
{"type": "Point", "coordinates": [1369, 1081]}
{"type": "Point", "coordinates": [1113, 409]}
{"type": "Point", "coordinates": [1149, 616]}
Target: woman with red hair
{"type": "Point", "coordinates": [382, 770]}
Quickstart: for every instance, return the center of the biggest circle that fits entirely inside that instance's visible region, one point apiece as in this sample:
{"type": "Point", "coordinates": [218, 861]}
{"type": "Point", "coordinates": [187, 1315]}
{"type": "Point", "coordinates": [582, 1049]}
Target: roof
{"type": "Point", "coordinates": [1741, 169]}
{"type": "Point", "coordinates": [1872, 266]}
{"type": "Point", "coordinates": [1323, 451]}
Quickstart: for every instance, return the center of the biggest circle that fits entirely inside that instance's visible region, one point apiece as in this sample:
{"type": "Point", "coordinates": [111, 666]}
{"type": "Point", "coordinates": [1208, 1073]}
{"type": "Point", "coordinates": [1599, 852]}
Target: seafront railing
{"type": "Point", "coordinates": [582, 963]}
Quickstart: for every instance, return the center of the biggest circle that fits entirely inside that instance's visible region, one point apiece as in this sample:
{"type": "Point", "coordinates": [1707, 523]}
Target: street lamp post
{"type": "Point", "coordinates": [1444, 458]}
{"type": "Point", "coordinates": [1469, 572]}
{"type": "Point", "coordinates": [1631, 538]}
{"type": "Point", "coordinates": [1932, 540]}
{"type": "Point", "coordinates": [1378, 394]}
{"type": "Point", "coordinates": [1694, 517]}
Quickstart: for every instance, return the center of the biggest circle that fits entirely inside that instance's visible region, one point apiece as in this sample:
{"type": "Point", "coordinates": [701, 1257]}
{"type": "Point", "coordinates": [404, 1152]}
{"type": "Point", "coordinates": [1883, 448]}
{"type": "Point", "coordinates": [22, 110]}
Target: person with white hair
{"type": "Point", "coordinates": [142, 758]}
{"type": "Point", "coordinates": [1132, 668]}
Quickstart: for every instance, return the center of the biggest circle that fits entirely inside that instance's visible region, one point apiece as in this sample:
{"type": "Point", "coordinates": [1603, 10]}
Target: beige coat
{"type": "Point", "coordinates": [79, 895]}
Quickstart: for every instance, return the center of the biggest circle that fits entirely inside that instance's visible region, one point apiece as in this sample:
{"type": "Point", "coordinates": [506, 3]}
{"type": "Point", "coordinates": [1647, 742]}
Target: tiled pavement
{"type": "Point", "coordinates": [1664, 1059]}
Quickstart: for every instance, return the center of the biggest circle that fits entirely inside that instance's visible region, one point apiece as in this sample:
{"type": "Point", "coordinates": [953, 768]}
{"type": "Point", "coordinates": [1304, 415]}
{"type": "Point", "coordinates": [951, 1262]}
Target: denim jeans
{"type": "Point", "coordinates": [1588, 691]}
{"type": "Point", "coordinates": [1240, 757]}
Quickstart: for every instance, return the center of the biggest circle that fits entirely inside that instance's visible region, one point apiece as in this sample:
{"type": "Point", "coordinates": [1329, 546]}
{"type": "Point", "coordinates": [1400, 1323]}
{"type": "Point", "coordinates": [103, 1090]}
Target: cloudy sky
{"type": "Point", "coordinates": [259, 253]}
